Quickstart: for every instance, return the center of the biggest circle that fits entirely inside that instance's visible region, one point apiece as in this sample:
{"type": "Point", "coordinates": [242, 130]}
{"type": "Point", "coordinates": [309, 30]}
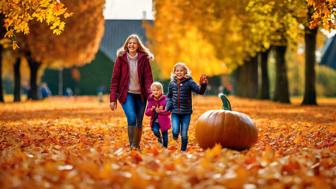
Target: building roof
{"type": "Point", "coordinates": [329, 53]}
{"type": "Point", "coordinates": [116, 31]}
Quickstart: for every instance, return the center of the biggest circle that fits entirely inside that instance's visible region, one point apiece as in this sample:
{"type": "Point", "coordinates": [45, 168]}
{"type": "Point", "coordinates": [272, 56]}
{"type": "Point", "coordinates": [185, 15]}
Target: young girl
{"type": "Point", "coordinates": [159, 116]}
{"type": "Point", "coordinates": [180, 100]}
{"type": "Point", "coordinates": [130, 84]}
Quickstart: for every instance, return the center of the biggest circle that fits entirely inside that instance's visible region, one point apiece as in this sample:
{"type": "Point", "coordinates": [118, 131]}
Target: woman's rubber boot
{"type": "Point", "coordinates": [131, 136]}
{"type": "Point", "coordinates": [137, 137]}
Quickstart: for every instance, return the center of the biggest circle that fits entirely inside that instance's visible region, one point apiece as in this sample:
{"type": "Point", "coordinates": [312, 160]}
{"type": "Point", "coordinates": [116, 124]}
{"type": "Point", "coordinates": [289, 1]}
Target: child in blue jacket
{"type": "Point", "coordinates": [179, 102]}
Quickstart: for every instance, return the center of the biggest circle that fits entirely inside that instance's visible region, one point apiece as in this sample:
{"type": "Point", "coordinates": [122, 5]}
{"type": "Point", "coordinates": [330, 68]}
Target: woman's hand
{"type": "Point", "coordinates": [113, 106]}
{"type": "Point", "coordinates": [153, 108]}
{"type": "Point", "coordinates": [203, 79]}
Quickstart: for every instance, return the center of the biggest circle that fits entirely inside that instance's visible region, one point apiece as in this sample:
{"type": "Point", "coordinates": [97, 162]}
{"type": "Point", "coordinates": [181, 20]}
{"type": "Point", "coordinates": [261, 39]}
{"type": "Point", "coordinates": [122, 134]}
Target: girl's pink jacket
{"type": "Point", "coordinates": [163, 115]}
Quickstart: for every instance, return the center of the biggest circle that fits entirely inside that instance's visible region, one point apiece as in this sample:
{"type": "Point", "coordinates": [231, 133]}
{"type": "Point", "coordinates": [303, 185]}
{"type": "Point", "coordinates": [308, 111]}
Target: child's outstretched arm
{"type": "Point", "coordinates": [200, 89]}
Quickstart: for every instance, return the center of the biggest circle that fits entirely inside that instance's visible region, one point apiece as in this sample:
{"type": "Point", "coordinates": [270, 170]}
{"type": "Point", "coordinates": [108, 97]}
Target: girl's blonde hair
{"type": "Point", "coordinates": [184, 66]}
{"type": "Point", "coordinates": [122, 50]}
{"type": "Point", "coordinates": [157, 84]}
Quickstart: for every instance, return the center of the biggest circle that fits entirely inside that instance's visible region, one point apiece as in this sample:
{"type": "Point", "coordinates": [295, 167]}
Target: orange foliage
{"type": "Point", "coordinates": [80, 143]}
{"type": "Point", "coordinates": [323, 13]}
{"type": "Point", "coordinates": [78, 43]}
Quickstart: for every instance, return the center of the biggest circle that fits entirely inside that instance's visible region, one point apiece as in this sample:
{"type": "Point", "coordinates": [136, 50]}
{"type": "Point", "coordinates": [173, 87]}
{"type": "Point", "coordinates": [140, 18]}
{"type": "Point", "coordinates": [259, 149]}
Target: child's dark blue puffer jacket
{"type": "Point", "coordinates": [180, 95]}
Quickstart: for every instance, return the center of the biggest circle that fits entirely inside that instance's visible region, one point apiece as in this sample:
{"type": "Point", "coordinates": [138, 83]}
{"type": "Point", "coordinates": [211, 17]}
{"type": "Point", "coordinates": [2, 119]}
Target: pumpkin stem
{"type": "Point", "coordinates": [225, 101]}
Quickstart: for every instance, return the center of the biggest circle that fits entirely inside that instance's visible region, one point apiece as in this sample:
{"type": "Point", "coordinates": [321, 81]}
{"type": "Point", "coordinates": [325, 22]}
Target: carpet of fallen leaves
{"type": "Point", "coordinates": [80, 143]}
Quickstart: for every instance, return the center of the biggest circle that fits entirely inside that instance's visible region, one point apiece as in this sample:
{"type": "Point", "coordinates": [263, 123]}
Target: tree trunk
{"type": "Point", "coordinates": [252, 78]}
{"type": "Point", "coordinates": [1, 86]}
{"type": "Point", "coordinates": [17, 80]}
{"type": "Point", "coordinates": [34, 66]}
{"type": "Point", "coordinates": [60, 82]}
{"type": "Point", "coordinates": [281, 93]}
{"type": "Point", "coordinates": [265, 86]}
{"type": "Point", "coordinates": [247, 79]}
{"type": "Point", "coordinates": [309, 97]}
{"type": "Point", "coordinates": [2, 33]}
{"type": "Point", "coordinates": [240, 78]}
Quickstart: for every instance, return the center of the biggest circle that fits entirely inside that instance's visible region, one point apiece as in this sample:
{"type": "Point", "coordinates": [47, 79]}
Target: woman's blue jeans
{"type": "Point", "coordinates": [156, 131]}
{"type": "Point", "coordinates": [134, 109]}
{"type": "Point", "coordinates": [180, 122]}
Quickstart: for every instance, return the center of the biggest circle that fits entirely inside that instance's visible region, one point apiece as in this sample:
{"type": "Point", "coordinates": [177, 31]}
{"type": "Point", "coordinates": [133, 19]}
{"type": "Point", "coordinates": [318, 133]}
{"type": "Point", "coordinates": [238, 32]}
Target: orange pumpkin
{"type": "Point", "coordinates": [230, 129]}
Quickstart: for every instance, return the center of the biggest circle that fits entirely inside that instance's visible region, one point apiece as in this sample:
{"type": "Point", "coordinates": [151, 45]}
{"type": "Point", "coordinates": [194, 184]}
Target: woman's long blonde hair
{"type": "Point", "coordinates": [122, 50]}
{"type": "Point", "coordinates": [184, 66]}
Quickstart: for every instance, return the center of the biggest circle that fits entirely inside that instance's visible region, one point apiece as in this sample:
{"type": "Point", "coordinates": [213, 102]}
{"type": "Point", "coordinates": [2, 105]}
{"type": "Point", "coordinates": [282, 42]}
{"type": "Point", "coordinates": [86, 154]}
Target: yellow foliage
{"type": "Point", "coordinates": [213, 37]}
{"type": "Point", "coordinates": [19, 13]}
{"type": "Point", "coordinates": [192, 49]}
{"type": "Point", "coordinates": [276, 21]}
{"type": "Point", "coordinates": [179, 35]}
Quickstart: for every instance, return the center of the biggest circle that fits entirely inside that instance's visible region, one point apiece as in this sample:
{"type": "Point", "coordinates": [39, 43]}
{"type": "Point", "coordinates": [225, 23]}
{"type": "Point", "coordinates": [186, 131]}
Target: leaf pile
{"type": "Point", "coordinates": [80, 143]}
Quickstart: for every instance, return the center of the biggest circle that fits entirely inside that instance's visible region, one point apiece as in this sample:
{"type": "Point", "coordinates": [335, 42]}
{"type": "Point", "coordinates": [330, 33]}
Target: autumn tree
{"type": "Point", "coordinates": [16, 18]}
{"type": "Point", "coordinates": [246, 74]}
{"type": "Point", "coordinates": [13, 63]}
{"type": "Point", "coordinates": [15, 68]}
{"type": "Point", "coordinates": [320, 13]}
{"type": "Point", "coordinates": [224, 28]}
{"type": "Point", "coordinates": [237, 33]}
{"type": "Point", "coordinates": [279, 27]}
{"type": "Point", "coordinates": [176, 36]}
{"type": "Point", "coordinates": [231, 33]}
{"type": "Point", "coordinates": [77, 45]}
{"type": "Point", "coordinates": [310, 14]}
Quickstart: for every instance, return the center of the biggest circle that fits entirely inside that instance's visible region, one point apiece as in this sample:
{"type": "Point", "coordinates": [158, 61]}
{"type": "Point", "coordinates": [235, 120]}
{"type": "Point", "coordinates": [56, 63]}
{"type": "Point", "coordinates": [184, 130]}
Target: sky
{"type": "Point", "coordinates": [128, 9]}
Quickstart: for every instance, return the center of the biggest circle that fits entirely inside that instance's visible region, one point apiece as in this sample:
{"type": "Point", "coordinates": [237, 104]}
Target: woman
{"type": "Point", "coordinates": [130, 84]}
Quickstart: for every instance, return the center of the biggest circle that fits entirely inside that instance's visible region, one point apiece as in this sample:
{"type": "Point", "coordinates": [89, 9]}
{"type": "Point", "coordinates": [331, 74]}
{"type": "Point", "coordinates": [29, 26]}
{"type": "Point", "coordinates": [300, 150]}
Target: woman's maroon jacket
{"type": "Point", "coordinates": [120, 77]}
